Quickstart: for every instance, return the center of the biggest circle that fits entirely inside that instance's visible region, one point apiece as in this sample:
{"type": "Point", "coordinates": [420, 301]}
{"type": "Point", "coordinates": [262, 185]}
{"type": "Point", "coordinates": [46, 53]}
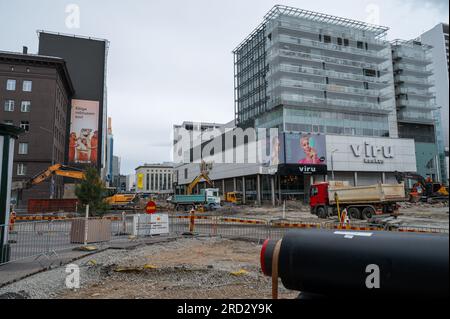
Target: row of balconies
{"type": "Point", "coordinates": [424, 70]}
{"type": "Point", "coordinates": [412, 91]}
{"type": "Point", "coordinates": [352, 35]}
{"type": "Point", "coordinates": [274, 53]}
{"type": "Point", "coordinates": [327, 87]}
{"type": "Point", "coordinates": [402, 103]}
{"type": "Point", "coordinates": [414, 80]}
{"type": "Point", "coordinates": [305, 100]}
{"type": "Point", "coordinates": [379, 55]}
{"type": "Point", "coordinates": [328, 73]}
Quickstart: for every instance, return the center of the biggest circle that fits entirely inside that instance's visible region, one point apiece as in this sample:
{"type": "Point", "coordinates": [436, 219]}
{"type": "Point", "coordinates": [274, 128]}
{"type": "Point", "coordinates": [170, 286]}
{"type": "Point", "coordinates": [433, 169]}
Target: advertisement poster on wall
{"type": "Point", "coordinates": [304, 154]}
{"type": "Point", "coordinates": [83, 138]}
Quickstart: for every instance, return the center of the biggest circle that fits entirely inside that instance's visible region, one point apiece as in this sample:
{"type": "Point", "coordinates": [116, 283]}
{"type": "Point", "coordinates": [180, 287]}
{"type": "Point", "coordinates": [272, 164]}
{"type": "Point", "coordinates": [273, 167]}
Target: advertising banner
{"type": "Point", "coordinates": [303, 154]}
{"type": "Point", "coordinates": [140, 181]}
{"type": "Point", "coordinates": [83, 139]}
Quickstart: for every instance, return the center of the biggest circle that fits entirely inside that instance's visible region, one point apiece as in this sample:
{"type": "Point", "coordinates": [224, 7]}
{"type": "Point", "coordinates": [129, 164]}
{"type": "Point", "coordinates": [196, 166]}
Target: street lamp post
{"type": "Point", "coordinates": [332, 164]}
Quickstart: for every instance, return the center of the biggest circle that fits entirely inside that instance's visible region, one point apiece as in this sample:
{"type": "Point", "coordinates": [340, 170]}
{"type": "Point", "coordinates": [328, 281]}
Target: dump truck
{"type": "Point", "coordinates": [208, 198]}
{"type": "Point", "coordinates": [361, 202]}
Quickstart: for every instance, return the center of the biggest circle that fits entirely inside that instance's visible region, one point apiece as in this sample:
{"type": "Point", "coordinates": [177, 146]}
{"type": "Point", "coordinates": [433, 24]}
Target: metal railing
{"type": "Point", "coordinates": [23, 240]}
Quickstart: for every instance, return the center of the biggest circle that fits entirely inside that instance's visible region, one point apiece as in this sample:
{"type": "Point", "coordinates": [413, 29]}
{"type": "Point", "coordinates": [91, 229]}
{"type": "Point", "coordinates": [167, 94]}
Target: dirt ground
{"type": "Point", "coordinates": [411, 214]}
{"type": "Point", "coordinates": [187, 268]}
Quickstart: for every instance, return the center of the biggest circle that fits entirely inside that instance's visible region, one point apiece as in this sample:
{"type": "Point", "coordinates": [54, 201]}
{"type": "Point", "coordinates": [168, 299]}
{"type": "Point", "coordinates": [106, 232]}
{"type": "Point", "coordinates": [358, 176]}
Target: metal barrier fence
{"type": "Point", "coordinates": [261, 229]}
{"type": "Point", "coordinates": [47, 237]}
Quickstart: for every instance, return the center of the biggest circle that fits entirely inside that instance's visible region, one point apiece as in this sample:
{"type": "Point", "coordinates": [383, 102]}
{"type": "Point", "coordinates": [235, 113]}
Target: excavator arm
{"type": "Point", "coordinates": [56, 169]}
{"type": "Point", "coordinates": [197, 180]}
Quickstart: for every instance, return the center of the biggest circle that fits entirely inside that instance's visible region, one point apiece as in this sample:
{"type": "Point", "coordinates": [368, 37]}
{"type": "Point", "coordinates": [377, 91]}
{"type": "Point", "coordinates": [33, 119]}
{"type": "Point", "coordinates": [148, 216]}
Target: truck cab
{"type": "Point", "coordinates": [318, 195]}
{"type": "Point", "coordinates": [212, 196]}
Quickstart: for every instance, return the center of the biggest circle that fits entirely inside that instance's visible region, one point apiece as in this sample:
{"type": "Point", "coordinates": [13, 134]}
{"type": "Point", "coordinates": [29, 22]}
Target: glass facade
{"type": "Point", "coordinates": [416, 106]}
{"type": "Point", "coordinates": [318, 75]}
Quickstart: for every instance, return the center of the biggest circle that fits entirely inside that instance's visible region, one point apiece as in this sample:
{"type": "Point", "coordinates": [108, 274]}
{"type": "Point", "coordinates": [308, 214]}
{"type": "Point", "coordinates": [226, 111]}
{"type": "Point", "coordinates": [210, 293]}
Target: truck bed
{"type": "Point", "coordinates": [377, 193]}
{"type": "Point", "coordinates": [188, 199]}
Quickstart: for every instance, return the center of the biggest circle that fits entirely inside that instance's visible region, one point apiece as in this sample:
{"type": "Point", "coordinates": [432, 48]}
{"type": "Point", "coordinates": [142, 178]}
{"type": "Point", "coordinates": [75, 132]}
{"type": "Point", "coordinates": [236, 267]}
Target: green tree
{"type": "Point", "coordinates": [92, 191]}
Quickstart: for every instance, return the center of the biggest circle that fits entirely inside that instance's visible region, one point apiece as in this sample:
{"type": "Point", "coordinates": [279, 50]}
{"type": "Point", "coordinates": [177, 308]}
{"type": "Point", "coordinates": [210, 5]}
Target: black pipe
{"type": "Point", "coordinates": [334, 263]}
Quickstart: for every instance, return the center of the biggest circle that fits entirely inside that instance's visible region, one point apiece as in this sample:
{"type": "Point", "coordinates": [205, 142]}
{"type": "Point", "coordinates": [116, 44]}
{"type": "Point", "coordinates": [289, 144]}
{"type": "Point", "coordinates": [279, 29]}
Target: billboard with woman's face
{"type": "Point", "coordinates": [301, 153]}
{"type": "Point", "coordinates": [305, 149]}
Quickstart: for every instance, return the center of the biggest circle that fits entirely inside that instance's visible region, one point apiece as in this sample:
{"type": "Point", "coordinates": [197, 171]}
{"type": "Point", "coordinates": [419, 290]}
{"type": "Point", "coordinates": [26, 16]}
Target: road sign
{"type": "Point", "coordinates": [150, 208]}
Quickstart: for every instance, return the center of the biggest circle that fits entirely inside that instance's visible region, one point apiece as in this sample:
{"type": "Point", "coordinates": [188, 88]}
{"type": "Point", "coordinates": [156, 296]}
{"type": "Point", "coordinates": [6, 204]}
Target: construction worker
{"type": "Point", "coordinates": [192, 220]}
{"type": "Point", "coordinates": [12, 220]}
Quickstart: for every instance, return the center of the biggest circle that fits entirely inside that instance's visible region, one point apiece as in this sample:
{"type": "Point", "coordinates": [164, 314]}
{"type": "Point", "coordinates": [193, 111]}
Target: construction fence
{"type": "Point", "coordinates": [40, 238]}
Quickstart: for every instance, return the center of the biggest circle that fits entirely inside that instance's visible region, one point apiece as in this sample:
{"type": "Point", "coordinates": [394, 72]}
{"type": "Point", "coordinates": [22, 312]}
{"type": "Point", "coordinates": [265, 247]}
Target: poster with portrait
{"type": "Point", "coordinates": [304, 154]}
{"type": "Point", "coordinates": [84, 137]}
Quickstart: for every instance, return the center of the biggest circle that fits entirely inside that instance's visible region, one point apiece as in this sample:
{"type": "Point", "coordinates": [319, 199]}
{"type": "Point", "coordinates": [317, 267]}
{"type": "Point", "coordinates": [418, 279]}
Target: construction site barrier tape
{"type": "Point", "coordinates": [34, 218]}
{"type": "Point", "coordinates": [243, 221]}
{"type": "Point", "coordinates": [296, 225]}
{"type": "Point", "coordinates": [195, 217]}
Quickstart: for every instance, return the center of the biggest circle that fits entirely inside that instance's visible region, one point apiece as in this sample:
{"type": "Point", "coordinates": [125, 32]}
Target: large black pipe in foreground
{"type": "Point", "coordinates": [343, 263]}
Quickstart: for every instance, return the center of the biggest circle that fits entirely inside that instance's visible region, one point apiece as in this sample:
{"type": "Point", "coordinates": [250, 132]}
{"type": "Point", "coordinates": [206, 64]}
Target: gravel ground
{"type": "Point", "coordinates": [186, 268]}
{"type": "Point", "coordinates": [412, 214]}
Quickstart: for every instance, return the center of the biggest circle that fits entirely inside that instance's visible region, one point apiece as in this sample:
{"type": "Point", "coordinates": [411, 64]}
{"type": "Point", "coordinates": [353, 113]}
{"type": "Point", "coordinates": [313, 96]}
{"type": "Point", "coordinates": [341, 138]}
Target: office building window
{"type": "Point", "coordinates": [27, 86]}
{"type": "Point", "coordinates": [359, 44]}
{"type": "Point", "coordinates": [327, 39]}
{"type": "Point", "coordinates": [10, 85]}
{"type": "Point", "coordinates": [147, 183]}
{"type": "Point", "coordinates": [339, 41]}
{"type": "Point", "coordinates": [23, 148]}
{"type": "Point", "coordinates": [185, 173]}
{"type": "Point", "coordinates": [346, 43]}
{"type": "Point", "coordinates": [9, 105]}
{"type": "Point", "coordinates": [21, 169]}
{"type": "Point", "coordinates": [25, 106]}
{"type": "Point", "coordinates": [25, 125]}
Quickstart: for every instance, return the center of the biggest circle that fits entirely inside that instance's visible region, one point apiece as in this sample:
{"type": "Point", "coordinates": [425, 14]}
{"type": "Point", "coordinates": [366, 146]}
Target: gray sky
{"type": "Point", "coordinates": [171, 61]}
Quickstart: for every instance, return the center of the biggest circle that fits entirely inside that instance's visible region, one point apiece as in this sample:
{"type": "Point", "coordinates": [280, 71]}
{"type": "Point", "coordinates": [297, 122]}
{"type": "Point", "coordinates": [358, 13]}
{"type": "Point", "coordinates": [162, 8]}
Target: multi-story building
{"type": "Point", "coordinates": [438, 38]}
{"type": "Point", "coordinates": [155, 179]}
{"type": "Point", "coordinates": [307, 71]}
{"type": "Point", "coordinates": [324, 80]}
{"type": "Point", "coordinates": [35, 93]}
{"type": "Point", "coordinates": [416, 102]}
{"type": "Point", "coordinates": [86, 59]}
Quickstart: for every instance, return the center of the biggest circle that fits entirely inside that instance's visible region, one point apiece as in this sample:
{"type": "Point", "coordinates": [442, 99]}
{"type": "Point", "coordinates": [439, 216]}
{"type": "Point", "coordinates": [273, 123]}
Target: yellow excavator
{"type": "Point", "coordinates": [56, 169]}
{"type": "Point", "coordinates": [114, 200]}
{"type": "Point", "coordinates": [203, 175]}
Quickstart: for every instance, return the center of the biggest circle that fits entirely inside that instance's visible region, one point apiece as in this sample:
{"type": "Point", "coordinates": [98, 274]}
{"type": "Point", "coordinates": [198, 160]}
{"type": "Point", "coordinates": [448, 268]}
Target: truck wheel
{"type": "Point", "coordinates": [367, 213]}
{"type": "Point", "coordinates": [354, 213]}
{"type": "Point", "coordinates": [321, 212]}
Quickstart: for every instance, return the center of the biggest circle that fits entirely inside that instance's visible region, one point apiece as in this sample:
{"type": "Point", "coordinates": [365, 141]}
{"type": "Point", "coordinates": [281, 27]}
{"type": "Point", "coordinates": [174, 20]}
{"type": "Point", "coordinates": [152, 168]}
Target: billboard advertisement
{"type": "Point", "coordinates": [140, 181]}
{"type": "Point", "coordinates": [85, 58]}
{"type": "Point", "coordinates": [302, 153]}
{"type": "Point", "coordinates": [84, 135]}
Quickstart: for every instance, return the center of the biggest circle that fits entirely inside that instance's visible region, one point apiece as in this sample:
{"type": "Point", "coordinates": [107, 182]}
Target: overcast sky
{"type": "Point", "coordinates": [170, 61]}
